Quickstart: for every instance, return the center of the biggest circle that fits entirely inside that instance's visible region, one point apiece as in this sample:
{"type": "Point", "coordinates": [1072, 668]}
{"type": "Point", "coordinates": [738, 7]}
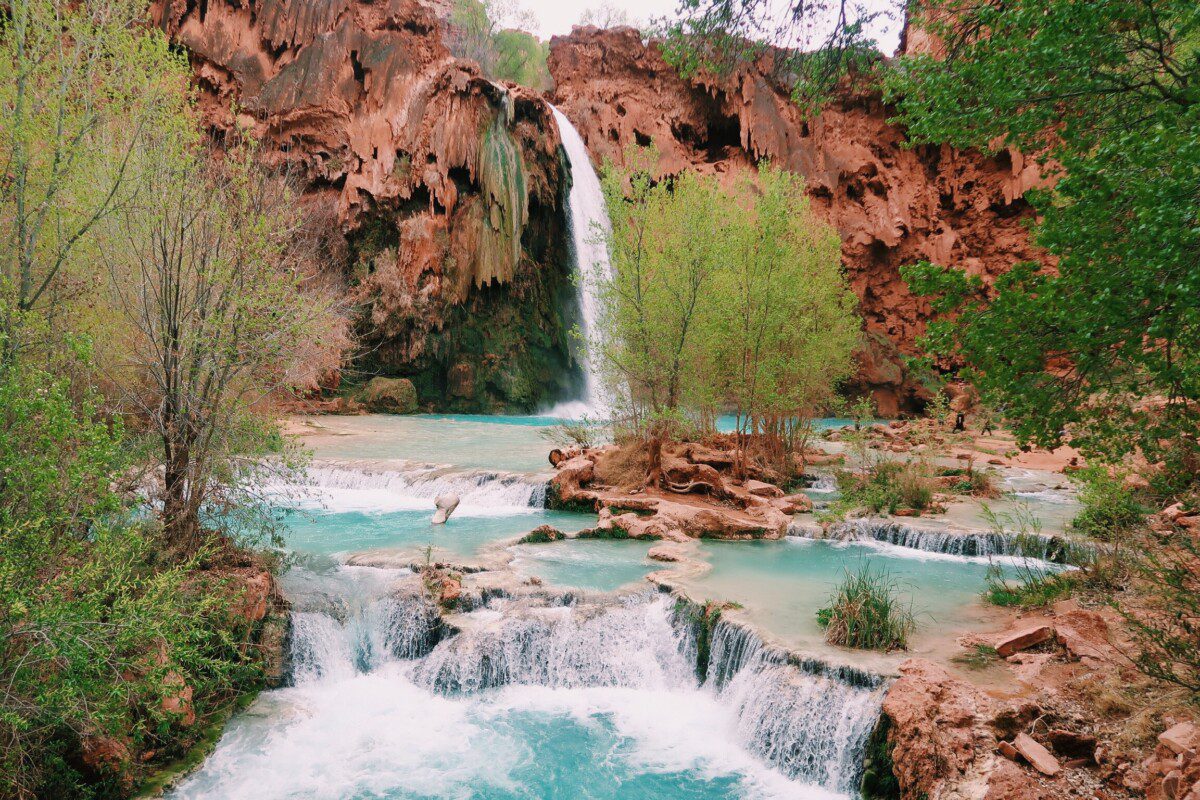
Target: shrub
{"type": "Point", "coordinates": [1109, 508]}
{"type": "Point", "coordinates": [866, 612]}
{"type": "Point", "coordinates": [1033, 586]}
{"type": "Point", "coordinates": [583, 432]}
{"type": "Point", "coordinates": [888, 486]}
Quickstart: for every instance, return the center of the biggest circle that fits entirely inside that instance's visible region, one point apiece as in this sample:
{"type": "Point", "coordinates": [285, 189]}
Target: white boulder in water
{"type": "Point", "coordinates": [446, 503]}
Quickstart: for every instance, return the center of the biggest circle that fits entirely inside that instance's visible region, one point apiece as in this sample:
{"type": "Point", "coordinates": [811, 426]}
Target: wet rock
{"type": "Point", "coordinates": [445, 503]}
{"type": "Point", "coordinates": [390, 395]}
{"type": "Point", "coordinates": [665, 553]}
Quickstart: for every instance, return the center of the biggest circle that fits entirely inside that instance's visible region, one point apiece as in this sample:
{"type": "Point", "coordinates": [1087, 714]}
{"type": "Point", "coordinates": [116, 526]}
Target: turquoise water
{"type": "Point", "coordinates": [354, 531]}
{"type": "Point", "coordinates": [379, 736]}
{"type": "Point", "coordinates": [783, 583]}
{"type": "Point", "coordinates": [499, 443]}
{"type": "Point", "coordinates": [597, 564]}
{"type": "Point", "coordinates": [463, 440]}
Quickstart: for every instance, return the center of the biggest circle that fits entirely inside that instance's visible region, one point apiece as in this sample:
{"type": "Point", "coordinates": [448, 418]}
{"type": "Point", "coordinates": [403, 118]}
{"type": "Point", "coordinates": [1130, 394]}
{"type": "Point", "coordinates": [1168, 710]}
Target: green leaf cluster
{"type": "Point", "coordinates": [720, 298]}
{"type": "Point", "coordinates": [1098, 344]}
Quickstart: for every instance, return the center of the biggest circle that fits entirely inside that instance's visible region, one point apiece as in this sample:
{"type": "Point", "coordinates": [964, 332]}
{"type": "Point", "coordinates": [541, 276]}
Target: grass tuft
{"type": "Point", "coordinates": [866, 612]}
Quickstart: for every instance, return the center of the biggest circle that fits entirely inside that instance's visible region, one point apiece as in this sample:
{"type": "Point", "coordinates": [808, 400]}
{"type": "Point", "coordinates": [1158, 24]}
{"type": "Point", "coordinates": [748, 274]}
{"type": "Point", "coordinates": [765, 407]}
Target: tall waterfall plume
{"type": "Point", "coordinates": [589, 225]}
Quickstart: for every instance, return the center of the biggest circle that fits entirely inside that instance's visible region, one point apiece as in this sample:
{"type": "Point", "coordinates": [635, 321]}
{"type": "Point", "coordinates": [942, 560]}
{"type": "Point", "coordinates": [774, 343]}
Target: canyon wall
{"type": "Point", "coordinates": [442, 192]}
{"type": "Point", "coordinates": [891, 205]}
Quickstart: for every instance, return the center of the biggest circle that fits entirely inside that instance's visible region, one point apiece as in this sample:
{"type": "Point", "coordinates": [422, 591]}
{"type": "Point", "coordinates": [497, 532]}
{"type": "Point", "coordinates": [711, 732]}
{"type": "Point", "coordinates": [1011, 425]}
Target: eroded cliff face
{"type": "Point", "coordinates": [447, 189]}
{"type": "Point", "coordinates": [891, 205]}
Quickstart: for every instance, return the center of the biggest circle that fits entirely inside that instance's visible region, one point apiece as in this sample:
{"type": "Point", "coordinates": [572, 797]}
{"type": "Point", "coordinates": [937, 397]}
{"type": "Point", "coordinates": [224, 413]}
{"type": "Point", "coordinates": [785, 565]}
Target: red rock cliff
{"type": "Point", "coordinates": [447, 187]}
{"type": "Point", "coordinates": [892, 206]}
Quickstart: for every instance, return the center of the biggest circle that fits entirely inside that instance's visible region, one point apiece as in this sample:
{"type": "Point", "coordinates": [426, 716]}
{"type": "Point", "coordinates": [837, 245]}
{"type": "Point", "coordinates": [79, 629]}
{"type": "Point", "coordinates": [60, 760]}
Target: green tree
{"type": "Point", "coordinates": [208, 272]}
{"type": "Point", "coordinates": [720, 299]}
{"type": "Point", "coordinates": [80, 86]}
{"type": "Point", "coordinates": [666, 244]}
{"type": "Point", "coordinates": [1098, 344]}
{"type": "Point", "coordinates": [92, 626]}
{"type": "Point", "coordinates": [786, 317]}
{"type": "Point", "coordinates": [810, 43]}
{"type": "Point", "coordinates": [494, 34]}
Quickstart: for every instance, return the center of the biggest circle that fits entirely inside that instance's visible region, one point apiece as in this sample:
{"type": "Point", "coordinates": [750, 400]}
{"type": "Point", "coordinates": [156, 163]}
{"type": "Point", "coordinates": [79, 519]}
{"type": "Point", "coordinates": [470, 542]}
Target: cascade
{"type": "Point", "coordinates": [482, 493]}
{"type": "Point", "coordinates": [808, 718]}
{"type": "Point", "coordinates": [588, 225]}
{"type": "Point", "coordinates": [395, 627]}
{"type": "Point", "coordinates": [965, 544]}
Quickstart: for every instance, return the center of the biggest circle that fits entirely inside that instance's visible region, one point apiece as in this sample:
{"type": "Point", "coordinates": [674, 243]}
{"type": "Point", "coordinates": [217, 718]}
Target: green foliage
{"type": "Point", "coordinates": [91, 620]}
{"type": "Point", "coordinates": [879, 777]}
{"type": "Point", "coordinates": [719, 35]}
{"type": "Point", "coordinates": [1031, 583]}
{"type": "Point", "coordinates": [1101, 346]}
{"type": "Point", "coordinates": [754, 314]}
{"type": "Point", "coordinates": [1110, 509]}
{"type": "Point", "coordinates": [980, 656]}
{"type": "Point", "coordinates": [1033, 586]}
{"type": "Point", "coordinates": [1164, 615]}
{"type": "Point", "coordinates": [494, 34]}
{"type": "Point", "coordinates": [583, 432]}
{"type": "Point", "coordinates": [81, 87]}
{"type": "Point", "coordinates": [887, 487]}
{"type": "Point", "coordinates": [866, 612]}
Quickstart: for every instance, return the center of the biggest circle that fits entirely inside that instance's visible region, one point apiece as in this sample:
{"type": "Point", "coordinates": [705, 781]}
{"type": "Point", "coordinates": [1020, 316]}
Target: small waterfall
{"type": "Point", "coordinates": [810, 719]}
{"type": "Point", "coordinates": [631, 645]}
{"type": "Point", "coordinates": [966, 544]}
{"type": "Point", "coordinates": [395, 627]}
{"type": "Point", "coordinates": [338, 487]}
{"type": "Point", "coordinates": [589, 225]}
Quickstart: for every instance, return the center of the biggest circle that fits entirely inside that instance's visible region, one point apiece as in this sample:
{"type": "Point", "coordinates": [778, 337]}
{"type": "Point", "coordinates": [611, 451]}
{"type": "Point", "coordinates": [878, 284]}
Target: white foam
{"type": "Point", "coordinates": [342, 488]}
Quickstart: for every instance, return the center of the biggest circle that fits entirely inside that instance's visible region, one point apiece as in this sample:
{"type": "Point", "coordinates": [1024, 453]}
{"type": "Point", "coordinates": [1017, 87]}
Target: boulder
{"type": "Point", "coordinates": [1180, 738]}
{"type": "Point", "coordinates": [1084, 634]}
{"type": "Point", "coordinates": [390, 395]}
{"type": "Point", "coordinates": [762, 489]}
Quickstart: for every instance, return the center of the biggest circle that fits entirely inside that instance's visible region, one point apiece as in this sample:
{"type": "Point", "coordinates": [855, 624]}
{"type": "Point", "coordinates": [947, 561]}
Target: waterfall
{"type": "Point", "coordinates": [588, 225]}
{"type": "Point", "coordinates": [336, 487]}
{"type": "Point", "coordinates": [965, 544]}
{"type": "Point", "coordinates": [395, 627]}
{"type": "Point", "coordinates": [630, 645]}
{"type": "Point", "coordinates": [808, 718]}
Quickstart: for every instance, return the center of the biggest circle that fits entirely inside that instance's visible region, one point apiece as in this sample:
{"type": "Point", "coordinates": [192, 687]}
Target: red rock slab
{"type": "Point", "coordinates": [1039, 757]}
{"type": "Point", "coordinates": [1023, 639]}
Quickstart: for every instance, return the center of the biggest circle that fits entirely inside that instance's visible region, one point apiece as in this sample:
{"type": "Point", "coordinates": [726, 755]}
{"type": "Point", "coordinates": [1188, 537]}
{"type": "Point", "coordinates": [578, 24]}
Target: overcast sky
{"type": "Point", "coordinates": [557, 16]}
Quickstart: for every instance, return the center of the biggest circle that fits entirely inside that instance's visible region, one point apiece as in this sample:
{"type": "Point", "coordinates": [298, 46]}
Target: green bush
{"type": "Point", "coordinates": [91, 618]}
{"type": "Point", "coordinates": [1033, 586]}
{"type": "Point", "coordinates": [1109, 507]}
{"type": "Point", "coordinates": [887, 487]}
{"type": "Point", "coordinates": [866, 612]}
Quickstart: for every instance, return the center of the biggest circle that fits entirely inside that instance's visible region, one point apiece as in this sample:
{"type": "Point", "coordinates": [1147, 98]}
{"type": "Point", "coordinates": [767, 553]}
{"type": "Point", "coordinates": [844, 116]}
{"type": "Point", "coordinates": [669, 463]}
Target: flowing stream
{"type": "Point", "coordinates": [589, 224]}
{"type": "Point", "coordinates": [561, 673]}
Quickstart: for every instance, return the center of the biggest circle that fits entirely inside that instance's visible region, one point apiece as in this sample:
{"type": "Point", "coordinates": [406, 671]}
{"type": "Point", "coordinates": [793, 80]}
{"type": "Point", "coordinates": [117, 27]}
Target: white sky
{"type": "Point", "coordinates": [557, 16]}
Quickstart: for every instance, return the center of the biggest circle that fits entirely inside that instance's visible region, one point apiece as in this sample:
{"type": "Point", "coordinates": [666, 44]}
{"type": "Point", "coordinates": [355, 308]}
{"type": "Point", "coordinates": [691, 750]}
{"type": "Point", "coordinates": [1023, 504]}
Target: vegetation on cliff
{"type": "Point", "coordinates": [1098, 344]}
